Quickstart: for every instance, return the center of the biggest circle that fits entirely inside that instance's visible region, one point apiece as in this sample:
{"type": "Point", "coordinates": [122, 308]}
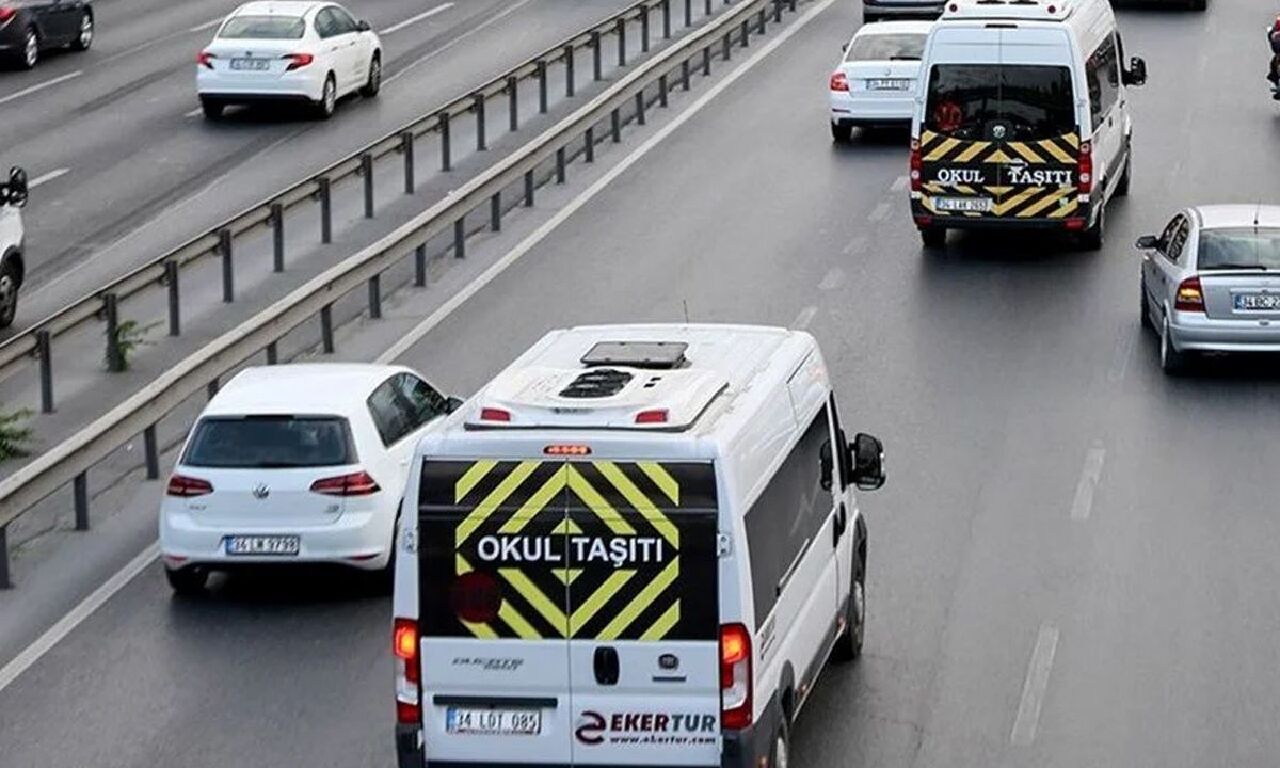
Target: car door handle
{"type": "Point", "coordinates": [606, 665]}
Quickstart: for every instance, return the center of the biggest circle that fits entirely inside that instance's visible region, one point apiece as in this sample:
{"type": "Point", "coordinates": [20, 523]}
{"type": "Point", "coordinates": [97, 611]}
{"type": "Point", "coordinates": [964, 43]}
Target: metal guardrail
{"type": "Point", "coordinates": [103, 305]}
{"type": "Point", "coordinates": [70, 461]}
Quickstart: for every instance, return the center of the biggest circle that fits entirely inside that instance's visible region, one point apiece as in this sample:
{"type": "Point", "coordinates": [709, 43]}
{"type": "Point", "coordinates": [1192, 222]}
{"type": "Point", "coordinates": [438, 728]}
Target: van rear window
{"type": "Point", "coordinates": [968, 101]}
{"type": "Point", "coordinates": [270, 442]}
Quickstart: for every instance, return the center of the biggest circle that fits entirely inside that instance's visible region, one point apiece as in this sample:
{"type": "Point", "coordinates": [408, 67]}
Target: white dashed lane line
{"type": "Point", "coordinates": [47, 177]}
{"type": "Point", "coordinates": [804, 318]}
{"type": "Point", "coordinates": [1082, 504]}
{"type": "Point", "coordinates": [1033, 690]}
{"type": "Point", "coordinates": [415, 19]}
{"type": "Point", "coordinates": [41, 86]}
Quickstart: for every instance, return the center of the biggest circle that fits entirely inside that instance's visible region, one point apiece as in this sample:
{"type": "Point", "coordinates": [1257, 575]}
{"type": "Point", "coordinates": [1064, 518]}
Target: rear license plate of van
{"type": "Point", "coordinates": [493, 722]}
{"type": "Point", "coordinates": [1256, 301]}
{"type": "Point", "coordinates": [277, 546]}
{"type": "Point", "coordinates": [251, 64]}
{"type": "Point", "coordinates": [888, 85]}
{"type": "Point", "coordinates": [962, 204]}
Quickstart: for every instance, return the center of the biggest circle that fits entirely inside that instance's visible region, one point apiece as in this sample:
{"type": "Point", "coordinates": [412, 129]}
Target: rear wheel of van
{"type": "Point", "coordinates": [780, 752]}
{"type": "Point", "coordinates": [1092, 238]}
{"type": "Point", "coordinates": [187, 582]}
{"type": "Point", "coordinates": [849, 645]}
{"type": "Point", "coordinates": [934, 237]}
{"type": "Point", "coordinates": [1122, 186]}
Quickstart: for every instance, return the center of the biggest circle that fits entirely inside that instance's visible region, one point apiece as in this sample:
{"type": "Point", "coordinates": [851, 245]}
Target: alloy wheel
{"type": "Point", "coordinates": [8, 295]}
{"type": "Point", "coordinates": [86, 31]}
{"type": "Point", "coordinates": [31, 52]}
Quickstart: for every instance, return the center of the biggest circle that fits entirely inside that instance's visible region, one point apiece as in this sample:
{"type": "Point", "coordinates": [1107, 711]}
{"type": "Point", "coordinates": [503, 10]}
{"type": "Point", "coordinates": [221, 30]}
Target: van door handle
{"type": "Point", "coordinates": [606, 665]}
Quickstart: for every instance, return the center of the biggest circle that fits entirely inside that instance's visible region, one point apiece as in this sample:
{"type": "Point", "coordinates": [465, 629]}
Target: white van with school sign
{"type": "Point", "coordinates": [636, 546]}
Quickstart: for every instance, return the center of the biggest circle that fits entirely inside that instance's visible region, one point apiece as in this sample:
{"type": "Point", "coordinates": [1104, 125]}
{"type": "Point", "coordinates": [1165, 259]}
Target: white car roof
{"type": "Point", "coordinates": [912, 26]}
{"type": "Point", "coordinates": [311, 388]}
{"type": "Point", "coordinates": [1215, 216]}
{"type": "Point", "coordinates": [273, 8]}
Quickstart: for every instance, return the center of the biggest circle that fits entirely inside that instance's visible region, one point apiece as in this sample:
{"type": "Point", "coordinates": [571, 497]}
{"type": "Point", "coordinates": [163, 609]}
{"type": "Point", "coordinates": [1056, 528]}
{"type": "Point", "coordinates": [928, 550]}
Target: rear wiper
{"type": "Point", "coordinates": [904, 58]}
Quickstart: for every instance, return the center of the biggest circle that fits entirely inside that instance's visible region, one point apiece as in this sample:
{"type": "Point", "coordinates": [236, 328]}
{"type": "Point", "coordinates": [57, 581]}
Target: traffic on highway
{"type": "Point", "coordinates": [667, 428]}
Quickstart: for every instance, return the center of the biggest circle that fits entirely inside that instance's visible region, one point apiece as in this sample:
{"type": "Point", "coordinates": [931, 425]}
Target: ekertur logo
{"type": "Point", "coordinates": [678, 729]}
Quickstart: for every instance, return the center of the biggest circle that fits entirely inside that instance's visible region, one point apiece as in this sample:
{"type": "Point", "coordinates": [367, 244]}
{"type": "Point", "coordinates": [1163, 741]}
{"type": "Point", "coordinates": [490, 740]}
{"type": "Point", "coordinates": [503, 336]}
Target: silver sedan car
{"type": "Point", "coordinates": [1211, 282]}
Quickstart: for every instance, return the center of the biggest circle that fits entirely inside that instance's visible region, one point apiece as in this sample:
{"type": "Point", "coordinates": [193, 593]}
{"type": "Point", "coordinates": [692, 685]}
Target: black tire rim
{"type": "Point", "coordinates": [86, 30]}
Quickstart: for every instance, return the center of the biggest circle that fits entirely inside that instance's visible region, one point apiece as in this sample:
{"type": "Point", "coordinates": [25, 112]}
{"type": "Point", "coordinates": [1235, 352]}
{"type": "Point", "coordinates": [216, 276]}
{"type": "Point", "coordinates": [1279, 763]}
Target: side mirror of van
{"type": "Point", "coordinates": [15, 191]}
{"type": "Point", "coordinates": [1148, 243]}
{"type": "Point", "coordinates": [866, 457]}
{"type": "Point", "coordinates": [1136, 74]}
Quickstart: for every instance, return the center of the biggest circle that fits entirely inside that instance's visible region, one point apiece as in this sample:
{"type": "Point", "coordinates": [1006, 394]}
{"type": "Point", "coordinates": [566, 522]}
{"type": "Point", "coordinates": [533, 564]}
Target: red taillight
{"type": "Point", "coordinates": [567, 450]}
{"type": "Point", "coordinates": [476, 597]}
{"type": "Point", "coordinates": [1190, 298]}
{"type": "Point", "coordinates": [205, 59]}
{"type": "Point", "coordinates": [494, 414]}
{"type": "Point", "coordinates": [655, 416]}
{"type": "Point", "coordinates": [7, 12]}
{"type": "Point", "coordinates": [355, 484]}
{"type": "Point", "coordinates": [1084, 169]}
{"type": "Point", "coordinates": [404, 644]}
{"type": "Point", "coordinates": [181, 485]}
{"type": "Point", "coordinates": [917, 166]}
{"type": "Point", "coordinates": [839, 82]}
{"type": "Point", "coordinates": [735, 676]}
{"type": "Point", "coordinates": [298, 60]}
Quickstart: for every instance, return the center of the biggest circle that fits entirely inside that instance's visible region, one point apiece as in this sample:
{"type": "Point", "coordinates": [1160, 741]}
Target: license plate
{"type": "Point", "coordinates": [255, 64]}
{"type": "Point", "coordinates": [1265, 301]}
{"type": "Point", "coordinates": [888, 85]}
{"type": "Point", "coordinates": [278, 546]}
{"type": "Point", "coordinates": [493, 722]}
{"type": "Point", "coordinates": [962, 204]}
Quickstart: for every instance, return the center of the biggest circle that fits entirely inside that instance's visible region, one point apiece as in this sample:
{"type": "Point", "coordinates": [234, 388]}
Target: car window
{"type": "Point", "coordinates": [1032, 102]}
{"type": "Point", "coordinates": [1179, 241]}
{"type": "Point", "coordinates": [1166, 237]}
{"type": "Point", "coordinates": [424, 403]}
{"type": "Point", "coordinates": [326, 25]}
{"type": "Point", "coordinates": [343, 21]}
{"type": "Point", "coordinates": [1102, 72]}
{"type": "Point", "coordinates": [263, 28]}
{"type": "Point", "coordinates": [896, 47]}
{"type": "Point", "coordinates": [1239, 248]}
{"type": "Point", "coordinates": [270, 441]}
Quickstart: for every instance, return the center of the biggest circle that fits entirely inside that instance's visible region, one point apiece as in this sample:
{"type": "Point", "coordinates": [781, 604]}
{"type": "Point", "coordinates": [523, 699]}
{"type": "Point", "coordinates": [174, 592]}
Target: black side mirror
{"type": "Point", "coordinates": [825, 466]}
{"type": "Point", "coordinates": [1148, 242]}
{"type": "Point", "coordinates": [866, 456]}
{"type": "Point", "coordinates": [844, 48]}
{"type": "Point", "coordinates": [1136, 74]}
{"type": "Point", "coordinates": [15, 191]}
{"type": "Point", "coordinates": [452, 404]}
{"type": "Point", "coordinates": [363, 26]}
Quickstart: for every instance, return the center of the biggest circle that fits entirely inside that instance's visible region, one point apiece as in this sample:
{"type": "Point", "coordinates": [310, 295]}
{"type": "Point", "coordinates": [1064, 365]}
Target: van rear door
{"type": "Point", "coordinates": [644, 613]}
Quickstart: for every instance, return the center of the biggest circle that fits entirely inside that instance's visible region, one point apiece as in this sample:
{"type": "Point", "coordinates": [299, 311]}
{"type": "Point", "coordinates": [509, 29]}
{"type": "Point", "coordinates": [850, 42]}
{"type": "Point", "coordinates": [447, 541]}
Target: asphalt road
{"type": "Point", "coordinates": [1055, 503]}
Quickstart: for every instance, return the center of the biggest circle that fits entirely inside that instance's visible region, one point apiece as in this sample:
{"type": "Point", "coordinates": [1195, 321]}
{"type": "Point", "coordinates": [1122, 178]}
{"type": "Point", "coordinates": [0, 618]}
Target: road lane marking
{"type": "Point", "coordinates": [538, 235]}
{"type": "Point", "coordinates": [194, 113]}
{"type": "Point", "coordinates": [804, 318]}
{"type": "Point", "coordinates": [879, 212]}
{"type": "Point", "coordinates": [47, 177]}
{"type": "Point", "coordinates": [431, 55]}
{"type": "Point", "coordinates": [1033, 690]}
{"type": "Point", "coordinates": [832, 280]}
{"type": "Point", "coordinates": [415, 19]}
{"type": "Point", "coordinates": [856, 244]}
{"type": "Point", "coordinates": [1082, 504]}
{"type": "Point", "coordinates": [1123, 352]}
{"type": "Point", "coordinates": [899, 184]}
{"type": "Point", "coordinates": [32, 653]}
{"type": "Point", "coordinates": [207, 25]}
{"type": "Point", "coordinates": [41, 86]}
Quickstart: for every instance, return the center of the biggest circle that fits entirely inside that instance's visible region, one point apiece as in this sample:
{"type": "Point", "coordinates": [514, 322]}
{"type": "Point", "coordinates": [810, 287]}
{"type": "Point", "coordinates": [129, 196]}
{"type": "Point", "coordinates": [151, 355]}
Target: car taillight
{"type": "Point", "coordinates": [7, 12]}
{"type": "Point", "coordinates": [205, 59]}
{"type": "Point", "coordinates": [355, 484]}
{"type": "Point", "coordinates": [1084, 169]}
{"type": "Point", "coordinates": [1190, 298]}
{"type": "Point", "coordinates": [735, 676]}
{"type": "Point", "coordinates": [181, 485]}
{"type": "Point", "coordinates": [405, 646]}
{"type": "Point", "coordinates": [839, 82]}
{"type": "Point", "coordinates": [475, 597]}
{"type": "Point", "coordinates": [298, 60]}
{"type": "Point", "coordinates": [917, 166]}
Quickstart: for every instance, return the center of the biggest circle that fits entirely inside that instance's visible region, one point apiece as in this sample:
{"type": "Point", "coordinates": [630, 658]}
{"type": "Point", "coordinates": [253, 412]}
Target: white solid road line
{"type": "Point", "coordinates": [1033, 690]}
{"type": "Point", "coordinates": [32, 653]}
{"type": "Point", "coordinates": [207, 25]}
{"type": "Point", "coordinates": [47, 177]}
{"type": "Point", "coordinates": [41, 86]}
{"type": "Point", "coordinates": [1089, 477]}
{"type": "Point", "coordinates": [549, 226]}
{"type": "Point", "coordinates": [415, 19]}
{"type": "Point", "coordinates": [432, 54]}
{"type": "Point", "coordinates": [804, 318]}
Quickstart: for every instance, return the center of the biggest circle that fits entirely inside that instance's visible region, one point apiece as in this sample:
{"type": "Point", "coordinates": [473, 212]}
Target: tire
{"type": "Point", "coordinates": [934, 237]}
{"type": "Point", "coordinates": [1122, 187]}
{"type": "Point", "coordinates": [187, 582]}
{"type": "Point", "coordinates": [849, 645]}
{"type": "Point", "coordinates": [374, 83]}
{"type": "Point", "coordinates": [841, 134]}
{"type": "Point", "coordinates": [212, 108]}
{"type": "Point", "coordinates": [780, 749]}
{"type": "Point", "coordinates": [9, 283]}
{"type": "Point", "coordinates": [1093, 238]}
{"type": "Point", "coordinates": [1172, 362]}
{"type": "Point", "coordinates": [328, 102]}
{"type": "Point", "coordinates": [85, 37]}
{"type": "Point", "coordinates": [27, 56]}
{"type": "Point", "coordinates": [1144, 308]}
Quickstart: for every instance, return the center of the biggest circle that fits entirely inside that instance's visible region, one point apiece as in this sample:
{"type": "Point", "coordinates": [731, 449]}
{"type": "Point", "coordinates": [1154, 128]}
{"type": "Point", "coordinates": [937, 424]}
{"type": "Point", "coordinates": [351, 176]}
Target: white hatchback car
{"type": "Point", "coordinates": [296, 463]}
{"type": "Point", "coordinates": [314, 52]}
{"type": "Point", "coordinates": [875, 83]}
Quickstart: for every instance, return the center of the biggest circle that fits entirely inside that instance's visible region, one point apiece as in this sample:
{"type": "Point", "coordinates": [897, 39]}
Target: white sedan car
{"type": "Point", "coordinates": [314, 52]}
{"type": "Point", "coordinates": [296, 463]}
{"type": "Point", "coordinates": [875, 83]}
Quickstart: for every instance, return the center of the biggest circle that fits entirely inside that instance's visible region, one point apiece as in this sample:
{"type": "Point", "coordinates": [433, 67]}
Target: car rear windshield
{"type": "Point", "coordinates": [263, 28]}
{"type": "Point", "coordinates": [895, 47]}
{"type": "Point", "coordinates": [1031, 102]}
{"type": "Point", "coordinates": [270, 441]}
{"type": "Point", "coordinates": [1239, 248]}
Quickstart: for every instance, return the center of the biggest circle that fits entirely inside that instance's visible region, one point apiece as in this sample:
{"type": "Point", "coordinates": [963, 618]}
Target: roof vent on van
{"type": "Point", "coordinates": [597, 382]}
{"type": "Point", "coordinates": [654, 355]}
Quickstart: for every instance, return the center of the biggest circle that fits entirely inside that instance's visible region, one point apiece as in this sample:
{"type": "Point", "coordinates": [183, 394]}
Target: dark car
{"type": "Point", "coordinates": [28, 27]}
{"type": "Point", "coordinates": [874, 10]}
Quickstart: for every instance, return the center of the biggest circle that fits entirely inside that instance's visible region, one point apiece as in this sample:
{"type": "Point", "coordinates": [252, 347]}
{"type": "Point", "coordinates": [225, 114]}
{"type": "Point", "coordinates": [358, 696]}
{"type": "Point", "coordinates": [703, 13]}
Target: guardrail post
{"type": "Point", "coordinates": [460, 238]}
{"type": "Point", "coordinates": [326, 210]}
{"type": "Point", "coordinates": [5, 581]}
{"type": "Point", "coordinates": [615, 126]}
{"type": "Point", "coordinates": [662, 91]}
{"type": "Point", "coordinates": [791, 5]}
{"type": "Point", "coordinates": [420, 266]}
{"type": "Point", "coordinates": [481, 144]}
{"type": "Point", "coordinates": [151, 452]}
{"type": "Point", "coordinates": [175, 308]}
{"type": "Point", "coordinates": [591, 145]}
{"type": "Point", "coordinates": [528, 189]}
{"type": "Point", "coordinates": [513, 102]}
{"type": "Point", "coordinates": [273, 355]}
{"type": "Point", "coordinates": [777, 11]}
{"type": "Point", "coordinates": [597, 62]}
{"type": "Point", "coordinates": [688, 13]}
{"type": "Point", "coordinates": [666, 19]}
{"type": "Point", "coordinates": [211, 389]}
{"type": "Point", "coordinates": [326, 329]}
{"type": "Point", "coordinates": [706, 61]}
{"type": "Point", "coordinates": [44, 351]}
{"type": "Point", "coordinates": [640, 108]}
{"type": "Point", "coordinates": [746, 32]}
{"type": "Point", "coordinates": [80, 490]}
{"type": "Point", "coordinates": [560, 165]}
{"type": "Point", "coordinates": [366, 170]}
{"type": "Point", "coordinates": [568, 71]}
{"type": "Point", "coordinates": [495, 211]}
{"type": "Point", "coordinates": [446, 161]}
{"type": "Point", "coordinates": [228, 266]}
{"type": "Point", "coordinates": [760, 24]}
{"type": "Point", "coordinates": [406, 149]}
{"type": "Point", "coordinates": [115, 360]}
{"type": "Point", "coordinates": [644, 29]}
{"type": "Point", "coordinates": [542, 87]}
{"type": "Point", "coordinates": [684, 75]}
{"type": "Point", "coordinates": [622, 42]}
{"type": "Point", "coordinates": [727, 53]}
{"type": "Point", "coordinates": [375, 297]}
{"type": "Point", "coordinates": [707, 10]}
{"type": "Point", "coordinates": [277, 238]}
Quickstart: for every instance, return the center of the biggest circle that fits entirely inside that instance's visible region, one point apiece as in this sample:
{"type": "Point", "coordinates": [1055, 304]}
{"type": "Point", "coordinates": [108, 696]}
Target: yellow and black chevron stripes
{"type": "Point", "coordinates": [609, 550]}
{"type": "Point", "coordinates": [1060, 150]}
